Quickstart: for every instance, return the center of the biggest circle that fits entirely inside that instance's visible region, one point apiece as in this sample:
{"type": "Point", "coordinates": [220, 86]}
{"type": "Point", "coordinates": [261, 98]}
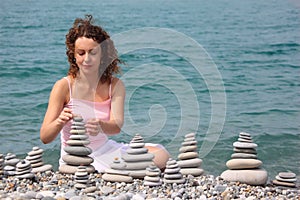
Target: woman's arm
{"type": "Point", "coordinates": [56, 116]}
{"type": "Point", "coordinates": [114, 125]}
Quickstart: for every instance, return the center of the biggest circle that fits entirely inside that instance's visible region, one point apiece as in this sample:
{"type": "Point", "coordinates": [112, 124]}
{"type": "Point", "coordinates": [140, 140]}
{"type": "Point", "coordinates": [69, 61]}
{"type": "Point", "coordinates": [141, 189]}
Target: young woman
{"type": "Point", "coordinates": [91, 91]}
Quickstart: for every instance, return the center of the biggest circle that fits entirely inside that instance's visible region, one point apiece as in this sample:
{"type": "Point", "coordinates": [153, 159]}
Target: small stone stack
{"type": "Point", "coordinates": [286, 179]}
{"type": "Point", "coordinates": [23, 170]}
{"type": "Point", "coordinates": [244, 165]}
{"type": "Point", "coordinates": [77, 152]}
{"type": "Point", "coordinates": [1, 164]}
{"type": "Point", "coordinates": [116, 173]}
{"type": "Point", "coordinates": [35, 157]}
{"type": "Point", "coordinates": [137, 158]}
{"type": "Point", "coordinates": [188, 159]}
{"type": "Point", "coordinates": [81, 178]}
{"type": "Point", "coordinates": [172, 173]}
{"type": "Point", "coordinates": [152, 177]}
{"type": "Point", "coordinates": [10, 163]}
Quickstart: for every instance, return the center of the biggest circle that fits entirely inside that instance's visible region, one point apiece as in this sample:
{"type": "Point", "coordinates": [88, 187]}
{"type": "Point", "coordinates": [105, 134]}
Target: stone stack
{"type": "Point", "coordinates": [77, 152]}
{"type": "Point", "coordinates": [10, 163]}
{"type": "Point", "coordinates": [188, 159]}
{"type": "Point", "coordinates": [1, 164]}
{"type": "Point", "coordinates": [137, 158]}
{"type": "Point", "coordinates": [81, 178]}
{"type": "Point", "coordinates": [286, 179]}
{"type": "Point", "coordinates": [116, 173]}
{"type": "Point", "coordinates": [23, 170]}
{"type": "Point", "coordinates": [152, 177]}
{"type": "Point", "coordinates": [35, 157]}
{"type": "Point", "coordinates": [172, 173]}
{"type": "Point", "coordinates": [244, 166]}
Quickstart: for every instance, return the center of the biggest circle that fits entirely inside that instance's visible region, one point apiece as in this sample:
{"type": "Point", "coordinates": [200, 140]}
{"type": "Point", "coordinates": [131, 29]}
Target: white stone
{"type": "Point", "coordinates": [248, 176]}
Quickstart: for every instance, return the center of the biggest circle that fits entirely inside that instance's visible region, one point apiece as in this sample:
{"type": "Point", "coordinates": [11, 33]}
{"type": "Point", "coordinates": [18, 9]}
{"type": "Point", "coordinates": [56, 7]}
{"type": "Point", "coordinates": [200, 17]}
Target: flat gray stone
{"type": "Point", "coordinates": [190, 135]}
{"type": "Point", "coordinates": [243, 155]}
{"type": "Point", "coordinates": [290, 180]}
{"type": "Point", "coordinates": [79, 137]}
{"type": "Point", "coordinates": [149, 183]}
{"type": "Point", "coordinates": [245, 134]}
{"type": "Point", "coordinates": [23, 164]}
{"type": "Point", "coordinates": [189, 143]}
{"type": "Point", "coordinates": [137, 157]}
{"type": "Point", "coordinates": [35, 151]}
{"type": "Point", "coordinates": [152, 178]}
{"type": "Point", "coordinates": [172, 170]}
{"type": "Point", "coordinates": [71, 169]}
{"type": "Point", "coordinates": [137, 150]}
{"type": "Point", "coordinates": [78, 150]}
{"type": "Point", "coordinates": [192, 171]}
{"type": "Point", "coordinates": [78, 142]}
{"type": "Point", "coordinates": [137, 145]}
{"type": "Point", "coordinates": [192, 148]}
{"type": "Point", "coordinates": [137, 165]}
{"type": "Point", "coordinates": [117, 172]}
{"type": "Point", "coordinates": [12, 161]}
{"type": "Point", "coordinates": [188, 155]}
{"type": "Point", "coordinates": [77, 132]}
{"type": "Point", "coordinates": [282, 183]}
{"type": "Point", "coordinates": [240, 163]}
{"type": "Point", "coordinates": [77, 160]}
{"type": "Point", "coordinates": [244, 150]}
{"type": "Point", "coordinates": [245, 140]}
{"type": "Point", "coordinates": [195, 162]}
{"type": "Point", "coordinates": [43, 168]}
{"type": "Point", "coordinates": [34, 165]}
{"type": "Point", "coordinates": [173, 176]}
{"type": "Point", "coordinates": [243, 145]}
{"type": "Point", "coordinates": [117, 178]}
{"type": "Point", "coordinates": [287, 175]}
{"type": "Point", "coordinates": [171, 181]}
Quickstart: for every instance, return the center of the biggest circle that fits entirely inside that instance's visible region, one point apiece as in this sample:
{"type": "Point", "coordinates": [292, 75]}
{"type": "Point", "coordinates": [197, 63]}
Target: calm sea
{"type": "Point", "coordinates": [216, 68]}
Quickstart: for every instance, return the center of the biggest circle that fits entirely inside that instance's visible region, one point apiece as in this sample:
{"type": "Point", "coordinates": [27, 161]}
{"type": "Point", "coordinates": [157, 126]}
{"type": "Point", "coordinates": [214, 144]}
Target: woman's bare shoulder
{"type": "Point", "coordinates": [117, 85]}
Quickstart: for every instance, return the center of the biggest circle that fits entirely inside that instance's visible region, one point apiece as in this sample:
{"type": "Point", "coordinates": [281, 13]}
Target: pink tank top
{"type": "Point", "coordinates": [88, 110]}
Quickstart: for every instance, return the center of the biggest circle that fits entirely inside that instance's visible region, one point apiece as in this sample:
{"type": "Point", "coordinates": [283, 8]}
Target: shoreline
{"type": "Point", "coordinates": [54, 185]}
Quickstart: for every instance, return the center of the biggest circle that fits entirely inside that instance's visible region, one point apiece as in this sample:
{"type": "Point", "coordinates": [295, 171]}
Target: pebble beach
{"type": "Point", "coordinates": [52, 185]}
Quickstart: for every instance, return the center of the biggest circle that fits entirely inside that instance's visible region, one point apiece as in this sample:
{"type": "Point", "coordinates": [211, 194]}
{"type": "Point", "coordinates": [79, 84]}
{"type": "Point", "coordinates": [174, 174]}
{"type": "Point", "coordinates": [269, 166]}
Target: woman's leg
{"type": "Point", "coordinates": [161, 155]}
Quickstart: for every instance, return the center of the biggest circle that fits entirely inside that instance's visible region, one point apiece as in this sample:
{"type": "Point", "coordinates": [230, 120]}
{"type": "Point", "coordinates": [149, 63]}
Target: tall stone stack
{"type": "Point", "coordinates": [1, 164]}
{"type": "Point", "coordinates": [137, 158]}
{"type": "Point", "coordinates": [35, 157]}
{"type": "Point", "coordinates": [285, 179]}
{"type": "Point", "coordinates": [77, 152]}
{"type": "Point", "coordinates": [23, 170]}
{"type": "Point", "coordinates": [244, 166]}
{"type": "Point", "coordinates": [10, 163]}
{"type": "Point", "coordinates": [172, 173]}
{"type": "Point", "coordinates": [152, 177]}
{"type": "Point", "coordinates": [188, 158]}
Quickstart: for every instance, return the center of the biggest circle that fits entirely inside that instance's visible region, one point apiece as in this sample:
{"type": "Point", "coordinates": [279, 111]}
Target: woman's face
{"type": "Point", "coordinates": [87, 55]}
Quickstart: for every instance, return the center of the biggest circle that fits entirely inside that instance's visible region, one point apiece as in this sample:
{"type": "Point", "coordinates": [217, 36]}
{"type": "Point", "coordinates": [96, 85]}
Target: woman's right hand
{"type": "Point", "coordinates": [65, 116]}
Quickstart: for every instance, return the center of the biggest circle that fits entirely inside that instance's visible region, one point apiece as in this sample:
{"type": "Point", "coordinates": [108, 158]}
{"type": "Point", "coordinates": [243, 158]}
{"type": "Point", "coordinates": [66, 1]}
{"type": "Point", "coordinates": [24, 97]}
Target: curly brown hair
{"type": "Point", "coordinates": [109, 58]}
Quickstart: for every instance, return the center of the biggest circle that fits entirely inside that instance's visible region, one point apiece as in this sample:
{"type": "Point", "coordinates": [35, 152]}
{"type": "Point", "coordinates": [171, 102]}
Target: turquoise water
{"type": "Point", "coordinates": [253, 46]}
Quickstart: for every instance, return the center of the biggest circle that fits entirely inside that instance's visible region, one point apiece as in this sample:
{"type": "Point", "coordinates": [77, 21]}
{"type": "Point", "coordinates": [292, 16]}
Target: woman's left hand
{"type": "Point", "coordinates": [93, 127]}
